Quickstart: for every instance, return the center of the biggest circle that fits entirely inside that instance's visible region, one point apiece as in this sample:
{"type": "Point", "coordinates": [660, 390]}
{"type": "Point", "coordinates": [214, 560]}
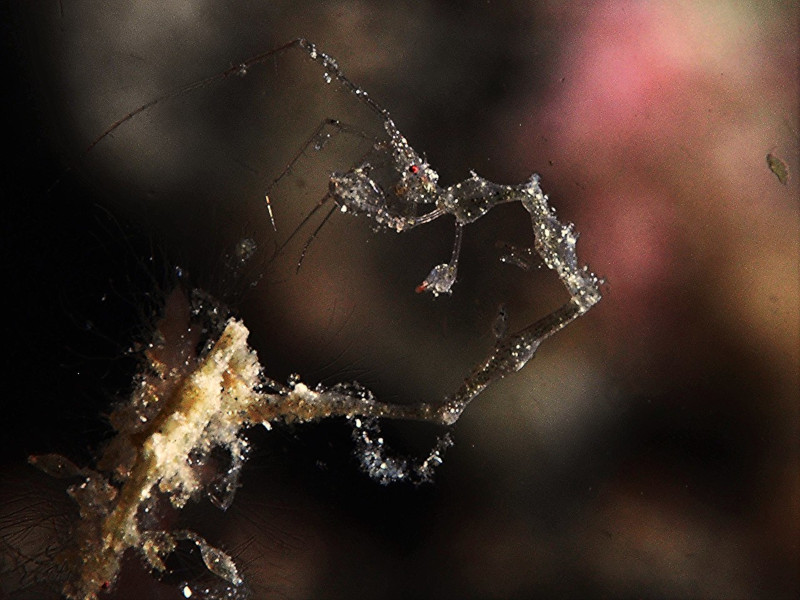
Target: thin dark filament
{"type": "Point", "coordinates": [313, 237]}
{"type": "Point", "coordinates": [328, 63]}
{"type": "Point", "coordinates": [305, 220]}
{"type": "Point", "coordinates": [314, 136]}
{"type": "Point", "coordinates": [236, 69]}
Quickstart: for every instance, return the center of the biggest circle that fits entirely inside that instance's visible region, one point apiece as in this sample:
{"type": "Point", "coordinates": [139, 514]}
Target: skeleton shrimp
{"type": "Point", "coordinates": [397, 189]}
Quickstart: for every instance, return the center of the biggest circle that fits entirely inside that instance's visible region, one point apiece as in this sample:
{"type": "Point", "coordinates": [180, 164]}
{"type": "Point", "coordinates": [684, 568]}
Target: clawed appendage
{"type": "Point", "coordinates": [439, 280]}
{"type": "Point", "coordinates": [197, 395]}
{"type": "Point", "coordinates": [442, 277]}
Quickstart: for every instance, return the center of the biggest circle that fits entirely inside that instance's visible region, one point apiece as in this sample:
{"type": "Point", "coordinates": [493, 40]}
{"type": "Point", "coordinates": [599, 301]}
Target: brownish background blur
{"type": "Point", "coordinates": [649, 450]}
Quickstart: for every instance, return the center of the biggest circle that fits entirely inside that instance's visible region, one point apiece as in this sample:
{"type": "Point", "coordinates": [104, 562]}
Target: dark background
{"type": "Point", "coordinates": [650, 449]}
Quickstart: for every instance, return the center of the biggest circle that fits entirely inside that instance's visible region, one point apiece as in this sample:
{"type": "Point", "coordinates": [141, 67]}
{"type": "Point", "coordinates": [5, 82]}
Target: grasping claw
{"type": "Point", "coordinates": [439, 280]}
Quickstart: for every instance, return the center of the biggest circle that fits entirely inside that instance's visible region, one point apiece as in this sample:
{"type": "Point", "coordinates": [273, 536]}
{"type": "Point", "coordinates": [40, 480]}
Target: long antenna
{"type": "Point", "coordinates": [329, 63]}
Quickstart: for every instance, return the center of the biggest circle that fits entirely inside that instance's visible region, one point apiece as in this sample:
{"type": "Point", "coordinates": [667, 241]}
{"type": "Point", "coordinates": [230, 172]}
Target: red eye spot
{"type": "Point", "coordinates": [414, 169]}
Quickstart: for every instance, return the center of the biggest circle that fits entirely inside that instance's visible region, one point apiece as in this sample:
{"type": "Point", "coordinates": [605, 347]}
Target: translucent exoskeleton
{"type": "Point", "coordinates": [397, 189]}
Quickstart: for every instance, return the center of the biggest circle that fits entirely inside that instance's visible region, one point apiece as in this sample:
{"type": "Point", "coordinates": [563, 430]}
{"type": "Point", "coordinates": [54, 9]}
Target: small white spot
{"type": "Point", "coordinates": [187, 591]}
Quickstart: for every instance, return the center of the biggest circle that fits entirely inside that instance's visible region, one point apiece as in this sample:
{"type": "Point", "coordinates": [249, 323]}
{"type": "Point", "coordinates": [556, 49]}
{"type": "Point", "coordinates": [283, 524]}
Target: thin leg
{"type": "Point", "coordinates": [312, 238]}
{"type": "Point", "coordinates": [319, 138]}
{"type": "Point", "coordinates": [305, 220]}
